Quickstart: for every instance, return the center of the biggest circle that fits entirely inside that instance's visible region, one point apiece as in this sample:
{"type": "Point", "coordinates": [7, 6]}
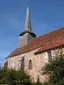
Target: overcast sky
{"type": "Point", "coordinates": [46, 15]}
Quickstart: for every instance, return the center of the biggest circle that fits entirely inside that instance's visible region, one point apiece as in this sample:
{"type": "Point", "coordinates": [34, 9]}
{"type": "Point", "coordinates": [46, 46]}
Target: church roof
{"type": "Point", "coordinates": [45, 42]}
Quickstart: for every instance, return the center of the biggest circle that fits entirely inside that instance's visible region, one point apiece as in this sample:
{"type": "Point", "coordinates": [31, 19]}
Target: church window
{"type": "Point", "coordinates": [30, 64]}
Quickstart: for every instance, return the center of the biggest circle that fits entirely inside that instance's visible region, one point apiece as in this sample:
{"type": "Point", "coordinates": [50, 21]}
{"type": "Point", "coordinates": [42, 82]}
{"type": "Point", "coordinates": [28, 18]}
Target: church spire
{"type": "Point", "coordinates": [27, 35]}
{"type": "Point", "coordinates": [27, 22]}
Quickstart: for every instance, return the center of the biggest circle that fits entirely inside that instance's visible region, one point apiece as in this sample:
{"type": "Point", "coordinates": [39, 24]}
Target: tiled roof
{"type": "Point", "coordinates": [50, 45]}
{"type": "Point", "coordinates": [47, 41]}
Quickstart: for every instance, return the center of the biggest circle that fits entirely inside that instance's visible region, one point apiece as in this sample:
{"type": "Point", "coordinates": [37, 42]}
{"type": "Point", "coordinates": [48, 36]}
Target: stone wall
{"type": "Point", "coordinates": [14, 62]}
{"type": "Point", "coordinates": [38, 61]}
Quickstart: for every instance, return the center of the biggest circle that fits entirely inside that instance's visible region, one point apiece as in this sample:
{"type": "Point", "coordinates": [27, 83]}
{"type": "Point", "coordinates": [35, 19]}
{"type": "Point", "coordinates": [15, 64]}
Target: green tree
{"type": "Point", "coordinates": [55, 70]}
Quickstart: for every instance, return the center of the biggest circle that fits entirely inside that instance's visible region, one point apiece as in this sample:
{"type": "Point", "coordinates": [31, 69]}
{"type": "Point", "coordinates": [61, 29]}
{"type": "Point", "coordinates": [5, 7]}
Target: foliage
{"type": "Point", "coordinates": [13, 77]}
{"type": "Point", "coordinates": [17, 77]}
{"type": "Point", "coordinates": [3, 84]}
{"type": "Point", "coordinates": [38, 82]}
{"type": "Point", "coordinates": [3, 71]}
{"type": "Point", "coordinates": [2, 76]}
{"type": "Point", "coordinates": [55, 70]}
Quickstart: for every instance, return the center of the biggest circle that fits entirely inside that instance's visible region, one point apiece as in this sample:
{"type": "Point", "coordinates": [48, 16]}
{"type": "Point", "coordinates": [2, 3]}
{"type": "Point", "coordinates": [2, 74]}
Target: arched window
{"type": "Point", "coordinates": [30, 64]}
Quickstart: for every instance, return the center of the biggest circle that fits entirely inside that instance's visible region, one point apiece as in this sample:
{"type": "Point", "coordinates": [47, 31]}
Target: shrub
{"type": "Point", "coordinates": [55, 70]}
{"type": "Point", "coordinates": [2, 76]}
{"type": "Point", "coordinates": [17, 77]}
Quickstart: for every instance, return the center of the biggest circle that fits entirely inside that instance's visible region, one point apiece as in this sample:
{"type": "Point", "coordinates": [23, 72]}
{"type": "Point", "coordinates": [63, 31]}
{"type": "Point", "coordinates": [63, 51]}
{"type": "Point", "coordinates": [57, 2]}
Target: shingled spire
{"type": "Point", "coordinates": [27, 22]}
{"type": "Point", "coordinates": [27, 35]}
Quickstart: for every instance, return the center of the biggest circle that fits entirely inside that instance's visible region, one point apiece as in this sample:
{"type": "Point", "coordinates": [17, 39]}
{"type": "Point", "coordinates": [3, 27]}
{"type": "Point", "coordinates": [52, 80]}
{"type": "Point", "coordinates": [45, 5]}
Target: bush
{"type": "Point", "coordinates": [38, 82]}
{"type": "Point", "coordinates": [13, 77]}
{"type": "Point", "coordinates": [55, 70]}
{"type": "Point", "coordinates": [2, 76]}
{"type": "Point", "coordinates": [17, 77]}
{"type": "Point", "coordinates": [3, 71]}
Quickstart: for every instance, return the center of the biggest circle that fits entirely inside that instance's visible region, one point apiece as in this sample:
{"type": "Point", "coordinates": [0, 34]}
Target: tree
{"type": "Point", "coordinates": [55, 70]}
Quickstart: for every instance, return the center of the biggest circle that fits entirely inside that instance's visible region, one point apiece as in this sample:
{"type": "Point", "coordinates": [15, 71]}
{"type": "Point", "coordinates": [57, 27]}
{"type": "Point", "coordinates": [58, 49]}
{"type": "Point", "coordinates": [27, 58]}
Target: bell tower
{"type": "Point", "coordinates": [27, 35]}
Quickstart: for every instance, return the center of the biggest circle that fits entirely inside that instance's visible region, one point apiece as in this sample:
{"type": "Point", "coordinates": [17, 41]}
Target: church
{"type": "Point", "coordinates": [33, 52]}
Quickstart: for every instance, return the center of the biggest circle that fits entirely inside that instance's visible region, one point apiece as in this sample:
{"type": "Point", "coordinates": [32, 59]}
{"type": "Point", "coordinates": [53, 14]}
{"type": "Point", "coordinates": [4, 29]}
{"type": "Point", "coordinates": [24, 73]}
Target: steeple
{"type": "Point", "coordinates": [27, 22]}
{"type": "Point", "coordinates": [27, 35]}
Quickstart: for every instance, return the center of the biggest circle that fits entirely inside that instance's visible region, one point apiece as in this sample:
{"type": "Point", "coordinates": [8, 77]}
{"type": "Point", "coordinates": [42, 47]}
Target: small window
{"type": "Point", "coordinates": [30, 64]}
